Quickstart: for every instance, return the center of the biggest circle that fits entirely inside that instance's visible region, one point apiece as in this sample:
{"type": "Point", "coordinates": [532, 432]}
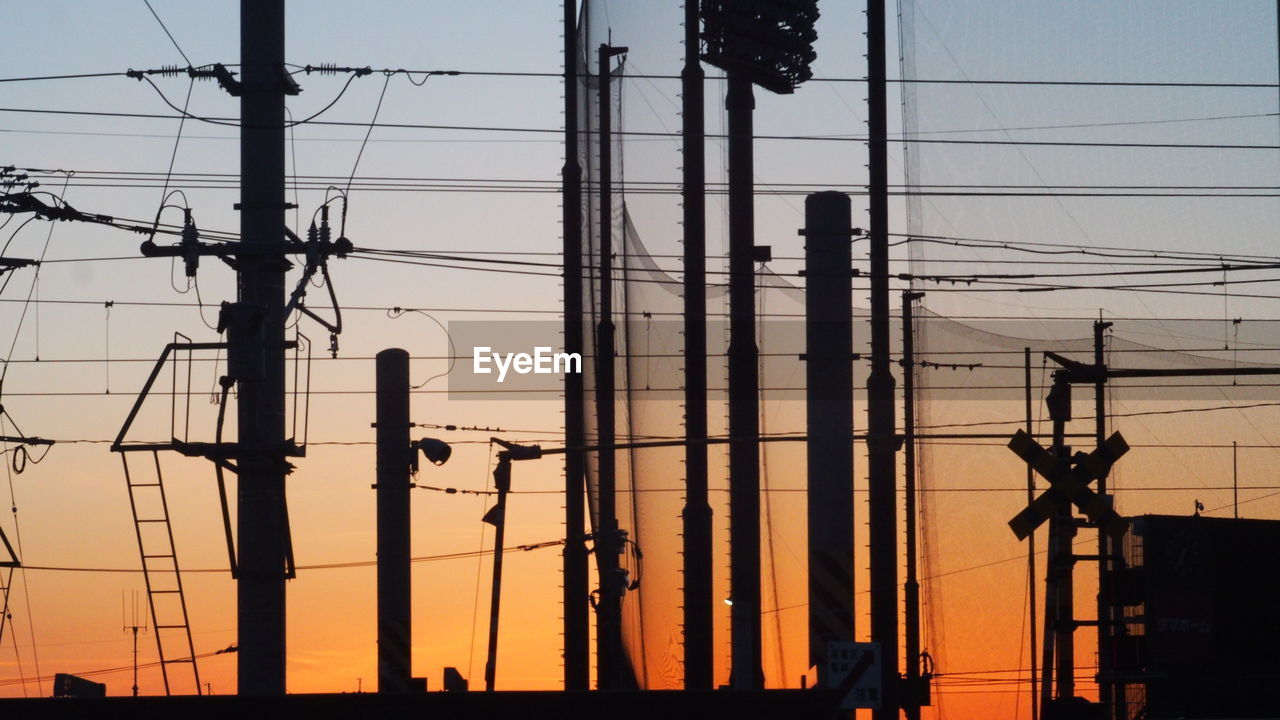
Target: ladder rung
{"type": "Point", "coordinates": [178, 660]}
{"type": "Point", "coordinates": [134, 485]}
{"type": "Point", "coordinates": [170, 627]}
{"type": "Point", "coordinates": [152, 520]}
{"type": "Point", "coordinates": [149, 557]}
{"type": "Point", "coordinates": [164, 592]}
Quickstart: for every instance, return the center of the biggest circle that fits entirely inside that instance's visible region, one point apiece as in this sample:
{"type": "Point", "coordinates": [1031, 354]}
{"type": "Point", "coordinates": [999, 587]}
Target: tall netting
{"type": "Point", "coordinates": [1063, 163]}
{"type": "Point", "coordinates": [646, 304]}
{"type": "Point", "coordinates": [647, 234]}
{"type": "Point", "coordinates": [1052, 164]}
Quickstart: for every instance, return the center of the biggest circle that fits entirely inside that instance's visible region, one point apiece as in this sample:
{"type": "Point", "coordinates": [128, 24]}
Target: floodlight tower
{"type": "Point", "coordinates": [767, 43]}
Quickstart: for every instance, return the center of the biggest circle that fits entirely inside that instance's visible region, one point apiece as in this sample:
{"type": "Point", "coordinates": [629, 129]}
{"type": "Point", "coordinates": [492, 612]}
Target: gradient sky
{"type": "Point", "coordinates": [73, 509]}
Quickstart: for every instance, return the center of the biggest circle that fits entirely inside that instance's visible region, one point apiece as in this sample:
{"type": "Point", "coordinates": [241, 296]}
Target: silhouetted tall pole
{"type": "Point", "coordinates": [1107, 687]}
{"type": "Point", "coordinates": [497, 517]}
{"type": "Point", "coordinates": [1060, 619]}
{"type": "Point", "coordinates": [256, 354]}
{"type": "Point", "coordinates": [1031, 543]}
{"type": "Point", "coordinates": [769, 44]}
{"type": "Point", "coordinates": [577, 622]}
{"type": "Point", "coordinates": [881, 437]}
{"type": "Point", "coordinates": [1235, 483]}
{"type": "Point", "coordinates": [828, 272]}
{"type": "Point", "coordinates": [911, 587]}
{"type": "Point", "coordinates": [699, 667]}
{"type": "Point", "coordinates": [608, 545]}
{"type": "Point", "coordinates": [395, 618]}
{"type": "Point", "coordinates": [744, 401]}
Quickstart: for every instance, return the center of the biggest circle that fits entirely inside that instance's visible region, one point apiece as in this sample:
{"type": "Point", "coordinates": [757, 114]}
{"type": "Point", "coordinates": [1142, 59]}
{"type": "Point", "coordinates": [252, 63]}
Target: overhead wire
{"type": "Point", "coordinates": [558, 75]}
{"type": "Point", "coordinates": [231, 122]}
{"type": "Point", "coordinates": [167, 33]}
{"type": "Point", "coordinates": [344, 565]}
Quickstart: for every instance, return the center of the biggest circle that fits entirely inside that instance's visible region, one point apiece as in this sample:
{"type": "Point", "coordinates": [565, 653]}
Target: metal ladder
{"type": "Point", "coordinates": [8, 561]}
{"type": "Point", "coordinates": [160, 570]}
{"type": "Point", "coordinates": [6, 581]}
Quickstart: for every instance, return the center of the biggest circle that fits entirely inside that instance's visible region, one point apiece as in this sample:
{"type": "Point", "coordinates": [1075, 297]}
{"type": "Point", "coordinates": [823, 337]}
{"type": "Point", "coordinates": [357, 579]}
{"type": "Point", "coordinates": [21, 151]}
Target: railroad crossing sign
{"type": "Point", "coordinates": [1068, 484]}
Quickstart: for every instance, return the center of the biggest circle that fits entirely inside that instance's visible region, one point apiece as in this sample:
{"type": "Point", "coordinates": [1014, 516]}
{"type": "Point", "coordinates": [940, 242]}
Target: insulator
{"type": "Point", "coordinates": [325, 232]}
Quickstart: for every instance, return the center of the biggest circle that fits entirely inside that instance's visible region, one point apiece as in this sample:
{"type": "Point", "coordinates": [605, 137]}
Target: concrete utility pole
{"type": "Point", "coordinates": [609, 670]}
{"type": "Point", "coordinates": [1107, 685]}
{"type": "Point", "coordinates": [1032, 578]}
{"type": "Point", "coordinates": [577, 622]}
{"type": "Point", "coordinates": [256, 352]}
{"type": "Point", "coordinates": [881, 437]}
{"type": "Point", "coordinates": [395, 454]}
{"type": "Point", "coordinates": [913, 696]}
{"type": "Point", "coordinates": [699, 666]}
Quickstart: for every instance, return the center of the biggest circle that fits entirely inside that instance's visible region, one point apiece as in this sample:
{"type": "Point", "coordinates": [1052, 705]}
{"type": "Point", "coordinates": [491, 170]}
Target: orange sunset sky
{"type": "Point", "coordinates": [1030, 204]}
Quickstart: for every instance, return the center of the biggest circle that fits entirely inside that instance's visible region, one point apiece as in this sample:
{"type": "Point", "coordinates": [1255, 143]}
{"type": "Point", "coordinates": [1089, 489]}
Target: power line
{"type": "Point", "coordinates": [75, 76]}
{"type": "Point", "coordinates": [233, 179]}
{"type": "Point", "coordinates": [166, 32]}
{"type": "Point", "coordinates": [673, 391]}
{"type": "Point", "coordinates": [638, 133]}
{"type": "Point", "coordinates": [316, 566]}
{"type": "Point", "coordinates": [557, 75]}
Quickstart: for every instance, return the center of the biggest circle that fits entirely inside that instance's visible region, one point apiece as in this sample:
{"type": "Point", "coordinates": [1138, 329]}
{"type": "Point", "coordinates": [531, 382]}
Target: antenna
{"type": "Point", "coordinates": [130, 624]}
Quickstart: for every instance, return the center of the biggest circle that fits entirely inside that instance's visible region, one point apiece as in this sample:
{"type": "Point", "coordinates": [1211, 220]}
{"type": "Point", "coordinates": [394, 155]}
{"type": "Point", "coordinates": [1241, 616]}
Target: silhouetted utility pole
{"type": "Point", "coordinates": [256, 353]}
{"type": "Point", "coordinates": [914, 694]}
{"type": "Point", "coordinates": [1107, 687]}
{"type": "Point", "coordinates": [497, 517]}
{"type": "Point", "coordinates": [699, 666]}
{"type": "Point", "coordinates": [395, 454]}
{"type": "Point", "coordinates": [881, 439]}
{"type": "Point", "coordinates": [609, 662]}
{"type": "Point", "coordinates": [1059, 593]}
{"type": "Point", "coordinates": [1235, 483]}
{"type": "Point", "coordinates": [828, 272]}
{"type": "Point", "coordinates": [1031, 544]}
{"type": "Point", "coordinates": [131, 626]}
{"type": "Point", "coordinates": [577, 644]}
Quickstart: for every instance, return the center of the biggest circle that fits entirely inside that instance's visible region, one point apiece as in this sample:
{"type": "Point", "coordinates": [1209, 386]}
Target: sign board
{"type": "Point", "coordinates": [853, 670]}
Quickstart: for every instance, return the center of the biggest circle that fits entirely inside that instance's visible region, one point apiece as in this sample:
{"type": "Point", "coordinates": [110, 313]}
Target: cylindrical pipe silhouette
{"type": "Point", "coordinates": [828, 270]}
{"type": "Point", "coordinates": [394, 455]}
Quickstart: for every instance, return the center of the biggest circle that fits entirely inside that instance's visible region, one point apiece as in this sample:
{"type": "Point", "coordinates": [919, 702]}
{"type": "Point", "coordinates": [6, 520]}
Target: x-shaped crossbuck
{"type": "Point", "coordinates": [1068, 484]}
